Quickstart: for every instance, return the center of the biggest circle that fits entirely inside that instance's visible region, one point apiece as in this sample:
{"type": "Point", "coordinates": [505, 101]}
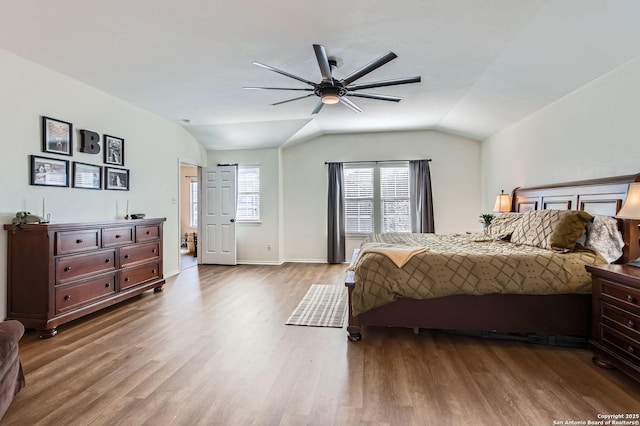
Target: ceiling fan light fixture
{"type": "Point", "coordinates": [330, 95]}
{"type": "Point", "coordinates": [330, 99]}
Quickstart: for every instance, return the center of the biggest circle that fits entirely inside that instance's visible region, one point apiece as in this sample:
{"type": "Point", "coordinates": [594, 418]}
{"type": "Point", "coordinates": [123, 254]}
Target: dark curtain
{"type": "Point", "coordinates": [335, 216]}
{"type": "Point", "coordinates": [420, 201]}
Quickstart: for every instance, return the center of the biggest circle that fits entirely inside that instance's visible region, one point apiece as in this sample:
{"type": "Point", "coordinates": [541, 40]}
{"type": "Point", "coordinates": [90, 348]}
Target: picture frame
{"type": "Point", "coordinates": [116, 179]}
{"type": "Point", "coordinates": [113, 150]}
{"type": "Point", "coordinates": [47, 171]}
{"type": "Point", "coordinates": [57, 136]}
{"type": "Point", "coordinates": [87, 176]}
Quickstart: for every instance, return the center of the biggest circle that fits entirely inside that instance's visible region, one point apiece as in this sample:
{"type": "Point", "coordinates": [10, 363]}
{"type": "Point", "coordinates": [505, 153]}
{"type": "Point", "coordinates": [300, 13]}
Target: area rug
{"type": "Point", "coordinates": [323, 306]}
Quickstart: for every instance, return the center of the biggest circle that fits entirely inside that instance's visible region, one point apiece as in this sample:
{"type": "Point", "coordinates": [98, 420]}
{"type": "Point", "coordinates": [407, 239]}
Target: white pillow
{"type": "Point", "coordinates": [604, 237]}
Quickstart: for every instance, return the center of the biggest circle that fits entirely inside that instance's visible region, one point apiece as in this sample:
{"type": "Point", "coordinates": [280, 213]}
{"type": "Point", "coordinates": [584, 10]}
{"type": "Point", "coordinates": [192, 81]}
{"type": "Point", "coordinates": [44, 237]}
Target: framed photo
{"type": "Point", "coordinates": [113, 150]}
{"type": "Point", "coordinates": [87, 176]}
{"type": "Point", "coordinates": [117, 179]}
{"type": "Point", "coordinates": [57, 136]}
{"type": "Point", "coordinates": [49, 171]}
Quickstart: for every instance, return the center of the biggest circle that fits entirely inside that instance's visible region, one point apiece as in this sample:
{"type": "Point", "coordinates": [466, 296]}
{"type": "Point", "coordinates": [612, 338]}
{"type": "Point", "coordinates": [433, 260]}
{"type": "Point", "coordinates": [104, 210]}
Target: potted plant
{"type": "Point", "coordinates": [485, 219]}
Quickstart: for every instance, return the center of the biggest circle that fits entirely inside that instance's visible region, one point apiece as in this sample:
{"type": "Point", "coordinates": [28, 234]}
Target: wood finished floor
{"type": "Point", "coordinates": [212, 350]}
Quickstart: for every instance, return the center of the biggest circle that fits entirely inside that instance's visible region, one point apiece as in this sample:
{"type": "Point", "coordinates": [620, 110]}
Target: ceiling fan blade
{"type": "Point", "coordinates": [276, 88]}
{"type": "Point", "coordinates": [346, 102]}
{"type": "Point", "coordinates": [323, 62]}
{"type": "Point", "coordinates": [385, 83]}
{"type": "Point", "coordinates": [374, 96]}
{"type": "Point", "coordinates": [294, 99]}
{"type": "Point", "coordinates": [318, 107]}
{"type": "Point", "coordinates": [369, 67]}
{"type": "Point", "coordinates": [284, 73]}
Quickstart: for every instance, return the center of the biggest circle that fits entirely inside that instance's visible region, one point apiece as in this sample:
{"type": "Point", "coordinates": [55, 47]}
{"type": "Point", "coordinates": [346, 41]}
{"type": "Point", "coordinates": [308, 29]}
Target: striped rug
{"type": "Point", "coordinates": [323, 306]}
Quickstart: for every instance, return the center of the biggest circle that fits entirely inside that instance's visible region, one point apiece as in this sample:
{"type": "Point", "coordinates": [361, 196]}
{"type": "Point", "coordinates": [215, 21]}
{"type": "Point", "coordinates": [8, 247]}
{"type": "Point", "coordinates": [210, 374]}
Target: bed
{"type": "Point", "coordinates": [567, 312]}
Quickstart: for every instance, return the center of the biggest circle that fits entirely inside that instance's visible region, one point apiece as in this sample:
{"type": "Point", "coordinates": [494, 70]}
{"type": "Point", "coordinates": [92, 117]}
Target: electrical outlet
{"type": "Point", "coordinates": [268, 246]}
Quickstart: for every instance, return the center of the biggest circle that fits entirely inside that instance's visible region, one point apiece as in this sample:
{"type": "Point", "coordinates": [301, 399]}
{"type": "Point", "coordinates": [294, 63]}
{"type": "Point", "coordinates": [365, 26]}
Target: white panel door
{"type": "Point", "coordinates": [218, 231]}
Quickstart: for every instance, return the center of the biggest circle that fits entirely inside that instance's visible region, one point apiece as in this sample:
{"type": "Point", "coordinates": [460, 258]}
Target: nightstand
{"type": "Point", "coordinates": [615, 335]}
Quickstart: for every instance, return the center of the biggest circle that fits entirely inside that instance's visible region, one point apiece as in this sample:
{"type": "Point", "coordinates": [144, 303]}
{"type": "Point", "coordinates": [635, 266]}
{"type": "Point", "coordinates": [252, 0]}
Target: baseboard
{"type": "Point", "coordinates": [305, 261]}
{"type": "Point", "coordinates": [261, 262]}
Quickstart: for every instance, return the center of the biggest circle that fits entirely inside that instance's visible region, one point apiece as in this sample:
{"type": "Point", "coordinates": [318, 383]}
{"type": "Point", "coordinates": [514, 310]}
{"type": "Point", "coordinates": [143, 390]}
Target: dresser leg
{"type": "Point", "coordinates": [158, 289]}
{"type": "Point", "coordinates": [50, 332]}
{"type": "Point", "coordinates": [602, 363]}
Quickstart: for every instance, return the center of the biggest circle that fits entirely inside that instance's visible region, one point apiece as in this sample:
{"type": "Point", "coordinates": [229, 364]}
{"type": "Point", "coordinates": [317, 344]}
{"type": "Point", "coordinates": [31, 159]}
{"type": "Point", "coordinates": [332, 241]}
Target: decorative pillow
{"type": "Point", "coordinates": [502, 226]}
{"type": "Point", "coordinates": [550, 229]}
{"type": "Point", "coordinates": [604, 237]}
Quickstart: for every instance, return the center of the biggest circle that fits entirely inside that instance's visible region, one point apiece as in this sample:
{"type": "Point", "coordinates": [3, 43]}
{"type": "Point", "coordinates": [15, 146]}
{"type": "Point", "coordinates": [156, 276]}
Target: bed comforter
{"type": "Point", "coordinates": [463, 264]}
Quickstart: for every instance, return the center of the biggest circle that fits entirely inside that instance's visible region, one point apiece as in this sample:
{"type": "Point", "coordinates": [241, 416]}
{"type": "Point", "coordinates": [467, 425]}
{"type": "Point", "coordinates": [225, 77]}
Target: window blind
{"type": "Point", "coordinates": [248, 207]}
{"type": "Point", "coordinates": [376, 198]}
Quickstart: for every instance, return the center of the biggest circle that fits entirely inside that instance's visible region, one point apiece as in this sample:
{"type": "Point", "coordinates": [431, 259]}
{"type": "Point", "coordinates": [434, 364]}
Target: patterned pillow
{"type": "Point", "coordinates": [604, 237]}
{"type": "Point", "coordinates": [502, 226]}
{"type": "Point", "coordinates": [550, 229]}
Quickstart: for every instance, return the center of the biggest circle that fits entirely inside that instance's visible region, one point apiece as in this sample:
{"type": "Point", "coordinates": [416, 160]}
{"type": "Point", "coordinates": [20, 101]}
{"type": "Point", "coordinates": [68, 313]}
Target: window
{"type": "Point", "coordinates": [248, 208]}
{"type": "Point", "coordinates": [376, 198]}
{"type": "Point", "coordinates": [193, 203]}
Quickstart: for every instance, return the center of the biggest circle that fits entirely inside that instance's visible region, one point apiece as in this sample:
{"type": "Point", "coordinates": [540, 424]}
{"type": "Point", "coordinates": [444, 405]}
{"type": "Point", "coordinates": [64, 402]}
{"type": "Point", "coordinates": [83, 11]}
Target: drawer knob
{"type": "Point", "coordinates": [126, 279]}
{"type": "Point", "coordinates": [630, 349]}
{"type": "Point", "coordinates": [107, 285]}
{"type": "Point", "coordinates": [67, 268]}
{"type": "Point", "coordinates": [67, 297]}
{"type": "Point", "coordinates": [630, 299]}
{"type": "Point", "coordinates": [126, 256]}
{"type": "Point", "coordinates": [79, 241]}
{"type": "Point", "coordinates": [153, 251]}
{"type": "Point", "coordinates": [148, 232]}
{"type": "Point", "coordinates": [631, 324]}
{"type": "Point", "coordinates": [153, 271]}
{"type": "Point", "coordinates": [117, 236]}
{"type": "Point", "coordinates": [107, 260]}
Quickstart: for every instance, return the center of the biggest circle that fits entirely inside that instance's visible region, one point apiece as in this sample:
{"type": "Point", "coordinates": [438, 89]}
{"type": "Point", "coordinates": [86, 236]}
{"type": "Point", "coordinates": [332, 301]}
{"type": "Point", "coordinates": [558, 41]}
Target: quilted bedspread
{"type": "Point", "coordinates": [464, 264]}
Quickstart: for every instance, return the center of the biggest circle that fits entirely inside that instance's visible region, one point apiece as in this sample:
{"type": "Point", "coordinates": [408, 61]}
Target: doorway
{"type": "Point", "coordinates": [189, 192]}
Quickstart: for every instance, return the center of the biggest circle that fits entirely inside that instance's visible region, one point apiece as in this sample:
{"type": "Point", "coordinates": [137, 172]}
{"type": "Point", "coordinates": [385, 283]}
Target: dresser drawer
{"type": "Point", "coordinates": [623, 345]}
{"type": "Point", "coordinates": [626, 296]}
{"type": "Point", "coordinates": [138, 253]}
{"type": "Point", "coordinates": [73, 296]}
{"type": "Point", "coordinates": [74, 267]}
{"type": "Point", "coordinates": [621, 320]}
{"type": "Point", "coordinates": [77, 241]}
{"type": "Point", "coordinates": [117, 236]}
{"type": "Point", "coordinates": [131, 277]}
{"type": "Point", "coordinates": [147, 233]}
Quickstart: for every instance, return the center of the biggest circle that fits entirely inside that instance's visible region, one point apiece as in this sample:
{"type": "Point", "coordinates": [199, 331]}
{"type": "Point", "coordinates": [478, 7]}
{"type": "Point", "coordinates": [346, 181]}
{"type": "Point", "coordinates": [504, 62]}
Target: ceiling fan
{"type": "Point", "coordinates": [331, 90]}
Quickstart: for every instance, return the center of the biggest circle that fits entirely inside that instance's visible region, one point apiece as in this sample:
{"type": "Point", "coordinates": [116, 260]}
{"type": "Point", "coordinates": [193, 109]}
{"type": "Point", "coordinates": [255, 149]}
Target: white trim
{"type": "Point", "coordinates": [261, 262]}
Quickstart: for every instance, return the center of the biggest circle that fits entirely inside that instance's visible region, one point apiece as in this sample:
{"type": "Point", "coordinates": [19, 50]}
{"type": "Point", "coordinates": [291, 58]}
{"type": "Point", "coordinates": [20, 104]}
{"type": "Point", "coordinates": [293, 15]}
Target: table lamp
{"type": "Point", "coordinates": [631, 210]}
{"type": "Point", "coordinates": [503, 203]}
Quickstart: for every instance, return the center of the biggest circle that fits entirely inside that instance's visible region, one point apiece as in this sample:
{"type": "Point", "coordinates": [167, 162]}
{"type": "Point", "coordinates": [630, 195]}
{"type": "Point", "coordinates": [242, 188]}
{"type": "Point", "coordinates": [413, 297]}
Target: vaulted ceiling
{"type": "Point", "coordinates": [485, 65]}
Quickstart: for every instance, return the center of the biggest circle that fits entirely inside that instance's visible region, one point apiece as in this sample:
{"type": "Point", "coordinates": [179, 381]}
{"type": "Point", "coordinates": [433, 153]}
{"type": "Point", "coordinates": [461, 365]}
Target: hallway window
{"type": "Point", "coordinates": [248, 208]}
{"type": "Point", "coordinates": [193, 203]}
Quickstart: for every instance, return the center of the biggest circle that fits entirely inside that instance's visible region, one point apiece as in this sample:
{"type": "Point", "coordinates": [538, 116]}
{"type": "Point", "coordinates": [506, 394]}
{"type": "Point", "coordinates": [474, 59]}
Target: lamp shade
{"type": "Point", "coordinates": [631, 207]}
{"type": "Point", "coordinates": [503, 203]}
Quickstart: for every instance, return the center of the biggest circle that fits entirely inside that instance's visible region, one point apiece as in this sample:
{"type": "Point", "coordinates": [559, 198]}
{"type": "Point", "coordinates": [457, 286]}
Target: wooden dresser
{"type": "Point", "coordinates": [616, 317]}
{"type": "Point", "coordinates": [59, 272]}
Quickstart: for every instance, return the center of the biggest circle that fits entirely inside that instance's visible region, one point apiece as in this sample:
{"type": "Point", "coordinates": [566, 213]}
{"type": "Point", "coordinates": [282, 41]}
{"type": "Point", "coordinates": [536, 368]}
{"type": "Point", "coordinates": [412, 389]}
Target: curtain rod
{"type": "Point", "coordinates": [375, 162]}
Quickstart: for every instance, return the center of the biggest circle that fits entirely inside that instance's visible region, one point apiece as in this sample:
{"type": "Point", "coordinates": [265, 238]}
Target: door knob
{"type": "Point", "coordinates": [232, 220]}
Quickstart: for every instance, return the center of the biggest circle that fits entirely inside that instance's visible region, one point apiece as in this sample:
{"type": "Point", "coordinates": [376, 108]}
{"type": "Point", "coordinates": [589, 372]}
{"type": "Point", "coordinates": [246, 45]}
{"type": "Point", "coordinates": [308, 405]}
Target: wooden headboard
{"type": "Point", "coordinates": [603, 196]}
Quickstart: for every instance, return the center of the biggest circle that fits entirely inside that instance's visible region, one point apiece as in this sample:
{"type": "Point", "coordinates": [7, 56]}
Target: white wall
{"type": "Point", "coordinates": [153, 148]}
{"type": "Point", "coordinates": [593, 132]}
{"type": "Point", "coordinates": [253, 238]}
{"type": "Point", "coordinates": [455, 174]}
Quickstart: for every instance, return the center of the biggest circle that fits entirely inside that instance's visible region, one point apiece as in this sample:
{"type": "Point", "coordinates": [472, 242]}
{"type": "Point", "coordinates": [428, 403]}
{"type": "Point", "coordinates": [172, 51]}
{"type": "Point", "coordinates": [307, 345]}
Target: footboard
{"type": "Point", "coordinates": [353, 328]}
